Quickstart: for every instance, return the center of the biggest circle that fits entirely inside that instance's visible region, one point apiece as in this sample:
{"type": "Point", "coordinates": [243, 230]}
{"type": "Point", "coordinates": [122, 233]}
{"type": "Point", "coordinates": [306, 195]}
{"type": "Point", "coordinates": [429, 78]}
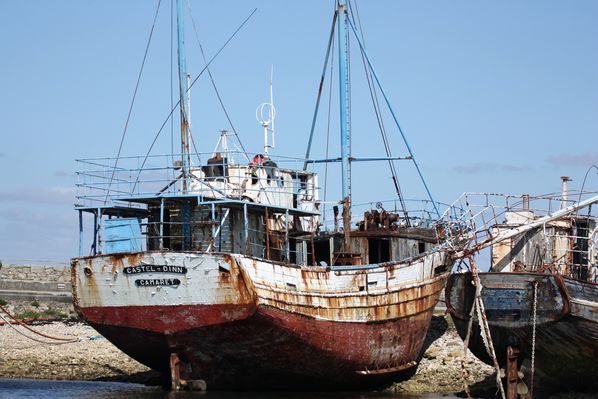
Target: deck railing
{"type": "Point", "coordinates": [234, 175]}
{"type": "Point", "coordinates": [567, 245]}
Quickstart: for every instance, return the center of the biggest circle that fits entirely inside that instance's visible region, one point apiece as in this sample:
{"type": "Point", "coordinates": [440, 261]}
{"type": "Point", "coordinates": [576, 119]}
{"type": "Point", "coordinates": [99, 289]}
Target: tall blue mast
{"type": "Point", "coordinates": [183, 87]}
{"type": "Point", "coordinates": [343, 63]}
{"type": "Point", "coordinates": [344, 99]}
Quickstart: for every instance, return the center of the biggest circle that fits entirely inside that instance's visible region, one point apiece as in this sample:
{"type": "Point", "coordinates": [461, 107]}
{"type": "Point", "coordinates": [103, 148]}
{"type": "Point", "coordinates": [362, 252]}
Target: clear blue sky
{"type": "Point", "coordinates": [493, 96]}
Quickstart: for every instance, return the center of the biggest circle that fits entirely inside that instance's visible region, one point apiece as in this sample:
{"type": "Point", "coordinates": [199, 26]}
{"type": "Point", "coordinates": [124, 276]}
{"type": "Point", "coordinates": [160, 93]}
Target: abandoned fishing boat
{"type": "Point", "coordinates": [223, 270]}
{"type": "Point", "coordinates": [536, 310]}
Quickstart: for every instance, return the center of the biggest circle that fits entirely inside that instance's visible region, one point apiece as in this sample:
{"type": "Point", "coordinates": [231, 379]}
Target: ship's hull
{"type": "Point", "coordinates": [566, 344]}
{"type": "Point", "coordinates": [240, 323]}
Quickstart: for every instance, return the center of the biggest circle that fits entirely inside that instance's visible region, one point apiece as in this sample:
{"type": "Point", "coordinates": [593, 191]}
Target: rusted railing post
{"type": "Point", "coordinates": [267, 233]}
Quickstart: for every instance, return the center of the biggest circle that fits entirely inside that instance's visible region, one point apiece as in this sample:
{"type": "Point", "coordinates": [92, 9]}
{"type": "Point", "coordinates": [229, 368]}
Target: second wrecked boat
{"type": "Point", "coordinates": [536, 310]}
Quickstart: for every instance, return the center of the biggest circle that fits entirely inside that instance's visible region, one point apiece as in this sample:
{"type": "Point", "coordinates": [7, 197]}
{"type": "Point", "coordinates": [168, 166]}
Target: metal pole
{"type": "Point", "coordinates": [344, 98]}
{"type": "Point", "coordinates": [266, 217]}
{"type": "Point", "coordinates": [213, 226]}
{"type": "Point", "coordinates": [286, 236]}
{"type": "Point", "coordinates": [94, 246]}
{"type": "Point", "coordinates": [245, 227]}
{"type": "Point", "coordinates": [183, 89]}
{"type": "Point", "coordinates": [80, 233]}
{"type": "Point", "coordinates": [99, 226]}
{"type": "Point", "coordinates": [161, 223]}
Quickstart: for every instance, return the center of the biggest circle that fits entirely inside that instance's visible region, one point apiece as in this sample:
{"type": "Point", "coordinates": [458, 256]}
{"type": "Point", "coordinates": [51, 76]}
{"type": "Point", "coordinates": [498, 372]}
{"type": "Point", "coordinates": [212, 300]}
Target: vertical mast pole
{"type": "Point", "coordinates": [184, 88]}
{"type": "Point", "coordinates": [344, 97]}
{"type": "Point", "coordinates": [343, 55]}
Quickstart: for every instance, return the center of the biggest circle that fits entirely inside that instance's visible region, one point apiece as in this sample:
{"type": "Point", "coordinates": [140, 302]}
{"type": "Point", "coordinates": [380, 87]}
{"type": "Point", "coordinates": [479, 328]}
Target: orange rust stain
{"type": "Point", "coordinates": [86, 285]}
{"type": "Point", "coordinates": [241, 282]}
{"type": "Point", "coordinates": [116, 261]}
{"type": "Point", "coordinates": [134, 259]}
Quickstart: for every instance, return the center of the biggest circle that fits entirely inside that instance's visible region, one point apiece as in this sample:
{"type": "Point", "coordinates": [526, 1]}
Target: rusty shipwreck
{"type": "Point", "coordinates": [220, 267]}
{"type": "Point", "coordinates": [534, 314]}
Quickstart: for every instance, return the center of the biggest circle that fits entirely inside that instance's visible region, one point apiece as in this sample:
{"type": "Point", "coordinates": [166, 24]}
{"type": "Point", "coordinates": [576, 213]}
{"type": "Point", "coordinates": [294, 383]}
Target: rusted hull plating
{"type": "Point", "coordinates": [566, 323]}
{"type": "Point", "coordinates": [234, 332]}
{"type": "Point", "coordinates": [277, 350]}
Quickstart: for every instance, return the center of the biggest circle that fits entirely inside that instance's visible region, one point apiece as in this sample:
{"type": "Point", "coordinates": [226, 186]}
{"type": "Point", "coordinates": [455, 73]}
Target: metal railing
{"type": "Point", "coordinates": [566, 245]}
{"type": "Point", "coordinates": [108, 180]}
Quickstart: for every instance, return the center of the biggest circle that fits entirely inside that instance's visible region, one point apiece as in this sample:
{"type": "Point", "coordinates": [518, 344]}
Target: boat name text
{"type": "Point", "coordinates": [155, 269]}
{"type": "Point", "coordinates": [154, 282]}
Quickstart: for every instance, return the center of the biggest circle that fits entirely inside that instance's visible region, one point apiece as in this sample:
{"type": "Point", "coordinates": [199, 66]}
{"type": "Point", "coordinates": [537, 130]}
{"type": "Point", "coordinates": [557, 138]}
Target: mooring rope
{"type": "Point", "coordinates": [483, 323]}
{"type": "Point", "coordinates": [63, 340]}
{"type": "Point", "coordinates": [37, 339]}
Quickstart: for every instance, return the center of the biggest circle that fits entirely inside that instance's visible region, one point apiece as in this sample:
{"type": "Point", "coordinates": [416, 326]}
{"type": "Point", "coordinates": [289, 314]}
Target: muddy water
{"type": "Point", "coordinates": [44, 389]}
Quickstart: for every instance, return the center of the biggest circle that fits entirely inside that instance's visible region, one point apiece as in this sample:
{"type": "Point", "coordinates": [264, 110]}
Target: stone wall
{"type": "Point", "coordinates": [57, 274]}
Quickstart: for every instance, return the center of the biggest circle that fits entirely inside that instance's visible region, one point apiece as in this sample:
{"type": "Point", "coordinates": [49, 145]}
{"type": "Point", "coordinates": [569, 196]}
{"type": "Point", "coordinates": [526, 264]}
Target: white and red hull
{"type": "Point", "coordinates": [239, 322]}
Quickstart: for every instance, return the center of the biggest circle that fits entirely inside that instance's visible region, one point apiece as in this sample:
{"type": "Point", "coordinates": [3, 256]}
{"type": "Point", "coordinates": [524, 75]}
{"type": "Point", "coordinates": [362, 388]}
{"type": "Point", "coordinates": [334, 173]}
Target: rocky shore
{"type": "Point", "coordinates": [91, 357]}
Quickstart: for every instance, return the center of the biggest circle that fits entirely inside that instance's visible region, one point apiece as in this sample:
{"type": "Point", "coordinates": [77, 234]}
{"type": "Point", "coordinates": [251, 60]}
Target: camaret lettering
{"type": "Point", "coordinates": [153, 282]}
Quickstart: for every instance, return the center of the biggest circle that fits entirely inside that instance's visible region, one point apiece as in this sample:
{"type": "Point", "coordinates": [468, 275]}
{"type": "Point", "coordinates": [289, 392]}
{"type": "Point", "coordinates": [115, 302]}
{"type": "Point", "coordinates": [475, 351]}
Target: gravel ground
{"type": "Point", "coordinates": [92, 357]}
{"type": "Point", "coordinates": [440, 369]}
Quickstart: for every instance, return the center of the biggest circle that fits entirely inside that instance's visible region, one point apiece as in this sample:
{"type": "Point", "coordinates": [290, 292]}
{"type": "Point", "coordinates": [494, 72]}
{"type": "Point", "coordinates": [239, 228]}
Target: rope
{"type": "Point", "coordinates": [483, 323]}
{"type": "Point", "coordinates": [464, 372]}
{"type": "Point", "coordinates": [61, 340]}
{"type": "Point", "coordinates": [122, 139]}
{"type": "Point", "coordinates": [534, 338]}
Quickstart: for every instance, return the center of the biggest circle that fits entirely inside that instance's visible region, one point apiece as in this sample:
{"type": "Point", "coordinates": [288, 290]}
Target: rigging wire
{"type": "Point", "coordinates": [190, 86]}
{"type": "Point", "coordinates": [149, 40]}
{"type": "Point", "coordinates": [419, 172]}
{"type": "Point", "coordinates": [320, 87]}
{"type": "Point", "coordinates": [378, 112]}
{"type": "Point", "coordinates": [583, 186]}
{"type": "Point", "coordinates": [213, 82]}
{"type": "Point", "coordinates": [328, 130]}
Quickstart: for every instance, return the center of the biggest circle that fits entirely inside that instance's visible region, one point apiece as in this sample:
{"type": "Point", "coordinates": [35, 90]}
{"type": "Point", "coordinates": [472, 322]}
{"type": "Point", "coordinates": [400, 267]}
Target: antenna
{"type": "Point", "coordinates": [189, 116]}
{"type": "Point", "coordinates": [265, 114]}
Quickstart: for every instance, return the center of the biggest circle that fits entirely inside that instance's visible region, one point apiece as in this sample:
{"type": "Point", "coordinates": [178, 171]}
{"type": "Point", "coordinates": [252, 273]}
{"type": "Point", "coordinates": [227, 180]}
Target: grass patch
{"type": "Point", "coordinates": [450, 322]}
{"type": "Point", "coordinates": [44, 314]}
{"type": "Point", "coordinates": [27, 314]}
{"type": "Point", "coordinates": [53, 314]}
{"type": "Point", "coordinates": [3, 302]}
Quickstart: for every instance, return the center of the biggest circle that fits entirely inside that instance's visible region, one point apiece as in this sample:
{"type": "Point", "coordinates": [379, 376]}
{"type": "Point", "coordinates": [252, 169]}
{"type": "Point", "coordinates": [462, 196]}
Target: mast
{"type": "Point", "coordinates": [343, 55]}
{"type": "Point", "coordinates": [183, 90]}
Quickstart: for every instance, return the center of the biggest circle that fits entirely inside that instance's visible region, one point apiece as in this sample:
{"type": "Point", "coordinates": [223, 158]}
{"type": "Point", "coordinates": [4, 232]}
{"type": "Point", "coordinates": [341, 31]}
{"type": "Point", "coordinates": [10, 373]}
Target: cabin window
{"type": "Point", "coordinates": [378, 250]}
{"type": "Point", "coordinates": [322, 251]}
{"type": "Point", "coordinates": [421, 247]}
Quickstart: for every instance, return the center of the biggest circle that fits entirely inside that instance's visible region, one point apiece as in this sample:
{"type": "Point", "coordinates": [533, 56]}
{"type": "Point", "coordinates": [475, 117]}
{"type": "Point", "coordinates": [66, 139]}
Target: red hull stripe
{"type": "Point", "coordinates": [166, 319]}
